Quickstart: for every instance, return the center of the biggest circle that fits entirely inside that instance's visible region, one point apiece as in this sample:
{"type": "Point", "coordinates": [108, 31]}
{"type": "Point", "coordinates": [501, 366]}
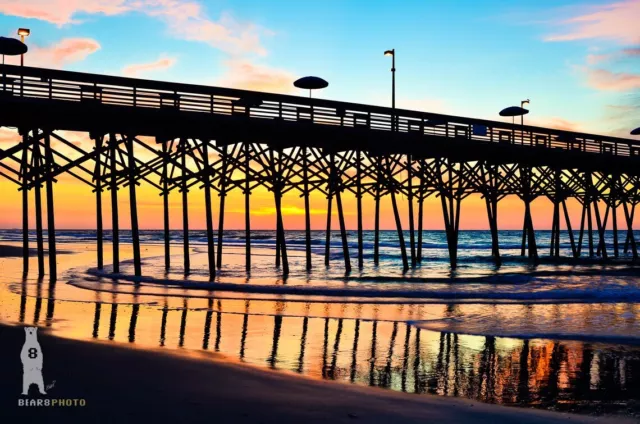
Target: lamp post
{"type": "Point", "coordinates": [392, 53]}
{"type": "Point", "coordinates": [23, 32]}
{"type": "Point", "coordinates": [522, 103]}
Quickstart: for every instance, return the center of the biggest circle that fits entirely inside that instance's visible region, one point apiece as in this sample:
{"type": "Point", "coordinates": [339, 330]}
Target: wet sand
{"type": "Point", "coordinates": [128, 384]}
{"type": "Point", "coordinates": [130, 378]}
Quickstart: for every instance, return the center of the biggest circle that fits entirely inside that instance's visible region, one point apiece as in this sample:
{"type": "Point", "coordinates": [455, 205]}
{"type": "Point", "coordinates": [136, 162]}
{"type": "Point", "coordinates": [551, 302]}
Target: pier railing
{"type": "Point", "coordinates": [48, 84]}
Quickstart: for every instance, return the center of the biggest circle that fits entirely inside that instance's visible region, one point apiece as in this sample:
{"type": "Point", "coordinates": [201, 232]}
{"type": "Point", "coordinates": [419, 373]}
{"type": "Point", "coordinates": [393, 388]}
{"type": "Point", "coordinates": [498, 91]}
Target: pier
{"type": "Point", "coordinates": [217, 140]}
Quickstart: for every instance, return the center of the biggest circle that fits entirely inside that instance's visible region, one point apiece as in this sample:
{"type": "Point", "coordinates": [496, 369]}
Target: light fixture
{"type": "Point", "coordinates": [24, 32]}
{"type": "Point", "coordinates": [389, 52]}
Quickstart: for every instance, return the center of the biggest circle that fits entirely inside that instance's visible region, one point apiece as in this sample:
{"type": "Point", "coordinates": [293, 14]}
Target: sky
{"type": "Point", "coordinates": [578, 62]}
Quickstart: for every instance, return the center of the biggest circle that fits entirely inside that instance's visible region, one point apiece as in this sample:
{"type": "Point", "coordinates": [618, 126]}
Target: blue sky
{"type": "Point", "coordinates": [458, 57]}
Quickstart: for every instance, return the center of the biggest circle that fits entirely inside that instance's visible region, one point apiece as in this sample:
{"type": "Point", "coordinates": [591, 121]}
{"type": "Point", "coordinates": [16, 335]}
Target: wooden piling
{"type": "Point", "coordinates": [420, 224]}
{"type": "Point", "coordinates": [335, 180]}
{"type": "Point", "coordinates": [396, 214]}
{"type": "Point", "coordinates": [37, 166]}
{"type": "Point", "coordinates": [247, 209]}
{"type": "Point", "coordinates": [51, 226]}
{"type": "Point", "coordinates": [223, 196]}
{"type": "Point", "coordinates": [376, 233]}
{"type": "Point", "coordinates": [165, 205]}
{"type": "Point", "coordinates": [574, 251]}
{"type": "Point", "coordinates": [185, 206]}
{"type": "Point", "coordinates": [327, 243]}
{"type": "Point", "coordinates": [412, 239]}
{"type": "Point", "coordinates": [114, 204]}
{"type": "Point", "coordinates": [24, 171]}
{"type": "Point", "coordinates": [97, 178]}
{"type": "Point", "coordinates": [211, 259]}
{"type": "Point", "coordinates": [359, 208]}
{"type": "Point", "coordinates": [629, 229]}
{"type": "Point", "coordinates": [133, 208]}
{"type": "Point", "coordinates": [307, 212]}
{"type": "Point", "coordinates": [629, 219]}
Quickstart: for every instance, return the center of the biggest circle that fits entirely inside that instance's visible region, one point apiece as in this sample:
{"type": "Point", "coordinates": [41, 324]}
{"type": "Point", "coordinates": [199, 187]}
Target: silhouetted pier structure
{"type": "Point", "coordinates": [175, 137]}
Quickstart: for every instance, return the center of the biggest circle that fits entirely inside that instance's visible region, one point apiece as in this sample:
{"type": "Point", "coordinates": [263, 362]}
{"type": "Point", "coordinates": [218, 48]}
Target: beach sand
{"type": "Point", "coordinates": [123, 384]}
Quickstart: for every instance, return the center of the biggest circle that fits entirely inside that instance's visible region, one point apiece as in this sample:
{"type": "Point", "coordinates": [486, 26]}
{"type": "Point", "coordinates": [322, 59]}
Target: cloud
{"type": "Point", "coordinates": [602, 79]}
{"type": "Point", "coordinates": [593, 59]}
{"type": "Point", "coordinates": [616, 21]}
{"type": "Point", "coordinates": [188, 21]}
{"type": "Point", "coordinates": [556, 123]}
{"type": "Point", "coordinates": [61, 12]}
{"type": "Point", "coordinates": [65, 51]}
{"type": "Point", "coordinates": [141, 68]}
{"type": "Point", "coordinates": [185, 19]}
{"type": "Point", "coordinates": [245, 74]}
{"type": "Point", "coordinates": [632, 52]}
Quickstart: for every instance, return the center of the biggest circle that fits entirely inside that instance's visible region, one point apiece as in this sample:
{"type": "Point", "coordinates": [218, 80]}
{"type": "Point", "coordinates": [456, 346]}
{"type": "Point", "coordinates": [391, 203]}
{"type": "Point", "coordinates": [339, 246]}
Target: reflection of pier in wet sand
{"type": "Point", "coordinates": [559, 375]}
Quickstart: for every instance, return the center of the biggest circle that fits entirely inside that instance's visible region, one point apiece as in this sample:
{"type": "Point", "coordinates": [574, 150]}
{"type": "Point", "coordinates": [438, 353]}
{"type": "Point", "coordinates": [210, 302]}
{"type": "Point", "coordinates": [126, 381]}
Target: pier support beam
{"type": "Point", "coordinates": [24, 171]}
{"type": "Point", "coordinates": [376, 234]}
{"type": "Point", "coordinates": [327, 243]}
{"type": "Point", "coordinates": [277, 181]}
{"type": "Point", "coordinates": [629, 228]}
{"type": "Point", "coordinates": [113, 186]}
{"type": "Point", "coordinates": [528, 232]}
{"type": "Point", "coordinates": [37, 166]}
{"type": "Point", "coordinates": [336, 181]}
{"type": "Point", "coordinates": [412, 238]}
{"type": "Point", "coordinates": [630, 237]}
{"type": "Point", "coordinates": [307, 213]}
{"type": "Point", "coordinates": [133, 207]}
{"type": "Point", "coordinates": [51, 226]}
{"type": "Point", "coordinates": [392, 190]}
{"type": "Point", "coordinates": [450, 198]}
{"type": "Point", "coordinates": [211, 258]}
{"type": "Point", "coordinates": [97, 179]}
{"type": "Point", "coordinates": [359, 208]}
{"type": "Point", "coordinates": [223, 196]}
{"type": "Point", "coordinates": [247, 209]}
{"type": "Point", "coordinates": [490, 177]}
{"type": "Point", "coordinates": [165, 204]}
{"type": "Point", "coordinates": [185, 206]}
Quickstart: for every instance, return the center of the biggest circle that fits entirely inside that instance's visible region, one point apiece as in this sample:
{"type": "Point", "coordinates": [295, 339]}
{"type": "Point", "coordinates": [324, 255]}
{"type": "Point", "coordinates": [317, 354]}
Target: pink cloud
{"type": "Point", "coordinates": [185, 19]}
{"type": "Point", "coordinates": [241, 73]}
{"type": "Point", "coordinates": [557, 123]}
{"type": "Point", "coordinates": [593, 59]}
{"type": "Point", "coordinates": [604, 80]}
{"type": "Point", "coordinates": [140, 68]}
{"type": "Point", "coordinates": [632, 52]}
{"type": "Point", "coordinates": [60, 12]}
{"type": "Point", "coordinates": [67, 50]}
{"type": "Point", "coordinates": [616, 21]}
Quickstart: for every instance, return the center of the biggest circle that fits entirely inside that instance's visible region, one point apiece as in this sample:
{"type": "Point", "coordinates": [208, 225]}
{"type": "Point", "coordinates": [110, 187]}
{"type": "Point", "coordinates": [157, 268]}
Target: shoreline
{"type": "Point", "coordinates": [128, 383]}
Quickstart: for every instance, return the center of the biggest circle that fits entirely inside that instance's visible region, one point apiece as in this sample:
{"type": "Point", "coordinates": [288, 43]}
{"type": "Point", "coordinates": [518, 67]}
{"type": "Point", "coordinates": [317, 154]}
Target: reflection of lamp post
{"type": "Point", "coordinates": [23, 32]}
{"type": "Point", "coordinates": [392, 53]}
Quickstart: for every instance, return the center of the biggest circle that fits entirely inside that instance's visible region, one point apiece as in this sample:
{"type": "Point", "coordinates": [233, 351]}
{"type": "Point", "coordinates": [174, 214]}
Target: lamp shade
{"type": "Point", "coordinates": [636, 131]}
{"type": "Point", "coordinates": [12, 47]}
{"type": "Point", "coordinates": [311, 83]}
{"type": "Point", "coordinates": [513, 111]}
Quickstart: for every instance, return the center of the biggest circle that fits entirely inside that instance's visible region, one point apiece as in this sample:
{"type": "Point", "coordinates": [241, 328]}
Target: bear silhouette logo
{"type": "Point", "coordinates": [31, 356]}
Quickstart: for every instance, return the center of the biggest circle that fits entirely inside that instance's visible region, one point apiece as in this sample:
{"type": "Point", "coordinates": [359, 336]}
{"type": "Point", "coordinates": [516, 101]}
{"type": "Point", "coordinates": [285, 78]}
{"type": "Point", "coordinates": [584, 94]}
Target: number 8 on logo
{"type": "Point", "coordinates": [33, 353]}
